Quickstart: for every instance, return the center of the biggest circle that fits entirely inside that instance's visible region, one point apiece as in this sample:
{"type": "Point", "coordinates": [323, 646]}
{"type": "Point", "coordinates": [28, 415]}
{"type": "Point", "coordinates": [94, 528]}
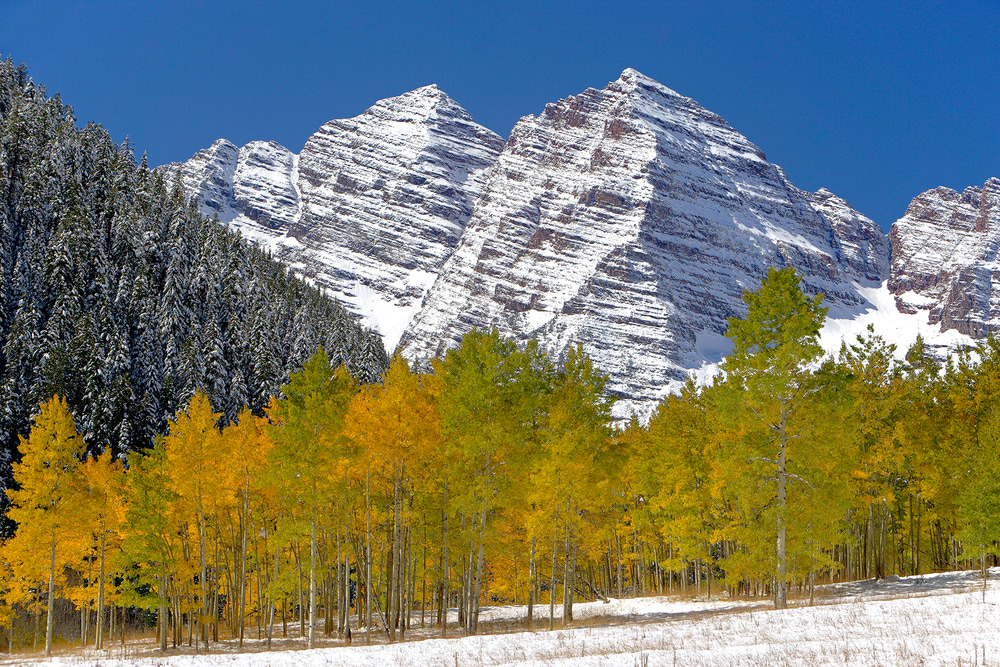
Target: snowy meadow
{"type": "Point", "coordinates": [939, 619]}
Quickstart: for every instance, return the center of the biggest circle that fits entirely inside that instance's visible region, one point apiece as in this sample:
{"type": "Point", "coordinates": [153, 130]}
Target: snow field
{"type": "Point", "coordinates": [928, 620]}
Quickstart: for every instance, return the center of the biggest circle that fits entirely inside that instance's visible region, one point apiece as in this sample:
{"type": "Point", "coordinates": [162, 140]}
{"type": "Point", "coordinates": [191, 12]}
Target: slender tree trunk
{"type": "Point", "coordinates": [531, 583]}
{"type": "Point", "coordinates": [312, 582]}
{"type": "Point", "coordinates": [781, 586]}
{"type": "Point", "coordinates": [570, 586]}
{"type": "Point", "coordinates": [552, 583]}
{"type": "Point", "coordinates": [204, 576]}
{"type": "Point", "coordinates": [85, 608]}
{"type": "Point", "coordinates": [243, 558]}
{"type": "Point", "coordinates": [392, 592]}
{"type": "Point", "coordinates": [99, 639]}
{"type": "Point", "coordinates": [479, 569]}
{"type": "Point", "coordinates": [163, 613]}
{"type": "Point", "coordinates": [445, 588]}
{"type": "Point", "coordinates": [368, 565]}
{"type": "Point", "coordinates": [301, 605]}
{"type": "Point", "coordinates": [566, 582]}
{"type": "Point", "coordinates": [423, 576]}
{"type": "Point", "coordinates": [270, 600]}
{"type": "Point", "coordinates": [52, 597]}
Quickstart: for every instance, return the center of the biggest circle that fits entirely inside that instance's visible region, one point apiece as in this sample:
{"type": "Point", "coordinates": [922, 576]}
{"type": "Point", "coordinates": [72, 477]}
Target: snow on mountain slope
{"type": "Point", "coordinates": [370, 208]}
{"type": "Point", "coordinates": [630, 220]}
{"type": "Point", "coordinates": [945, 260]}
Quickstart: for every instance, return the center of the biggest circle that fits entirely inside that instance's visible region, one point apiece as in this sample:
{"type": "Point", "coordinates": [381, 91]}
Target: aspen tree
{"type": "Point", "coordinates": [979, 472]}
{"type": "Point", "coordinates": [570, 476]}
{"type": "Point", "coordinates": [308, 451]}
{"type": "Point", "coordinates": [103, 478]}
{"type": "Point", "coordinates": [47, 504]}
{"type": "Point", "coordinates": [192, 449]}
{"type": "Point", "coordinates": [396, 426]}
{"type": "Point", "coordinates": [150, 546]}
{"type": "Point", "coordinates": [673, 466]}
{"type": "Point", "coordinates": [491, 411]}
{"type": "Point", "coordinates": [249, 446]}
{"type": "Point", "coordinates": [773, 348]}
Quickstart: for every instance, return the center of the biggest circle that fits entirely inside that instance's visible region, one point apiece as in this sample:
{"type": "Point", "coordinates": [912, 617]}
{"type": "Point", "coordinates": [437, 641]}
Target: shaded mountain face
{"type": "Point", "coordinates": [369, 209]}
{"type": "Point", "coordinates": [630, 220]}
{"type": "Point", "coordinates": [944, 259]}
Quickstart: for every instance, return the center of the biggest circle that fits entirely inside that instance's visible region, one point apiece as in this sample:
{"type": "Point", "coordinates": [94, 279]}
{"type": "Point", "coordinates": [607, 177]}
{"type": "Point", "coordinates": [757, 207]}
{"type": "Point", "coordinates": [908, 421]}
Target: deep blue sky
{"type": "Point", "coordinates": [875, 101]}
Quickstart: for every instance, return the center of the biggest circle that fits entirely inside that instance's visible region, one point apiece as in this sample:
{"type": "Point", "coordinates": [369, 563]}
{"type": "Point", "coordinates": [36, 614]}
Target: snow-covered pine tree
{"type": "Point", "coordinates": [116, 293]}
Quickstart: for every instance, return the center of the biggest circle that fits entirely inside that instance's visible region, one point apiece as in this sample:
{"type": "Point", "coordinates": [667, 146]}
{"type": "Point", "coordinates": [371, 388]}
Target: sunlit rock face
{"type": "Point", "coordinates": [944, 258]}
{"type": "Point", "coordinates": [629, 220]}
{"type": "Point", "coordinates": [369, 209]}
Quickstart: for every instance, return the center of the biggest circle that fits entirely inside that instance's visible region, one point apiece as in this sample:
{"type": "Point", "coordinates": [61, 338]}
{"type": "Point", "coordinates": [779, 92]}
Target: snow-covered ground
{"type": "Point", "coordinates": [937, 619]}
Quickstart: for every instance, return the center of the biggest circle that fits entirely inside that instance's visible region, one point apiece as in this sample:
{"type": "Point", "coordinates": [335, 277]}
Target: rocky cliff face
{"type": "Point", "coordinates": [944, 259]}
{"type": "Point", "coordinates": [630, 220]}
{"type": "Point", "coordinates": [369, 209]}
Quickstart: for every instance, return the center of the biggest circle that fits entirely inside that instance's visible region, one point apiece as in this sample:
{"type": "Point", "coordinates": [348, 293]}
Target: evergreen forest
{"type": "Point", "coordinates": [116, 294]}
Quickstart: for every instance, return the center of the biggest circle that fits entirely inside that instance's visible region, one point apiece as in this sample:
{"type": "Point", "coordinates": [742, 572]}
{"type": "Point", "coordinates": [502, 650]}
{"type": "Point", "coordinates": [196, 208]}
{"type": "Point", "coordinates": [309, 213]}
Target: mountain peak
{"type": "Point", "coordinates": [632, 80]}
{"type": "Point", "coordinates": [418, 104]}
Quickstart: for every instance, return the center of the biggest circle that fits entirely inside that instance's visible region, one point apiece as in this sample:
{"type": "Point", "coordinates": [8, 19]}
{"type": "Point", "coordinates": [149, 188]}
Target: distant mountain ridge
{"type": "Point", "coordinates": [628, 220]}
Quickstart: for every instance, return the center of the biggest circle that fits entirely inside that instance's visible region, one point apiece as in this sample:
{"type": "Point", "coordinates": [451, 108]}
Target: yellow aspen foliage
{"type": "Point", "coordinates": [48, 504]}
{"type": "Point", "coordinates": [309, 454]}
{"type": "Point", "coordinates": [193, 467]}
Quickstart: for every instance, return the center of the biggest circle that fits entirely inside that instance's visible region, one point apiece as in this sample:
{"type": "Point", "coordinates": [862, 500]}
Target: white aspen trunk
{"type": "Point", "coordinates": [368, 565]}
{"type": "Point", "coordinates": [670, 580]}
{"type": "Point", "coordinates": [339, 592]}
{"type": "Point", "coordinates": [781, 585]}
{"type": "Point", "coordinates": [271, 606]}
{"type": "Point", "coordinates": [404, 588]}
{"type": "Point", "coordinates": [243, 558]}
{"type": "Point", "coordinates": [302, 618]}
{"type": "Point", "coordinates": [52, 598]}
{"type": "Point", "coordinates": [391, 593]}
{"type": "Point", "coordinates": [312, 582]}
{"type": "Point", "coordinates": [531, 583]}
{"type": "Point", "coordinates": [566, 582]}
{"type": "Point", "coordinates": [202, 628]}
{"type": "Point", "coordinates": [552, 583]}
{"type": "Point", "coordinates": [99, 638]}
{"type": "Point", "coordinates": [347, 595]}
{"type": "Point", "coordinates": [444, 569]}
{"type": "Point", "coordinates": [479, 570]}
{"type": "Point", "coordinates": [163, 613]}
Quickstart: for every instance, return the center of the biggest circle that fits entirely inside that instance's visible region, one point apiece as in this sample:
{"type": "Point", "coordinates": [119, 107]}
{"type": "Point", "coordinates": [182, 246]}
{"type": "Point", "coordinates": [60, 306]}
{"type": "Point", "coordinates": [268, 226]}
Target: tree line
{"type": "Point", "coordinates": [495, 476]}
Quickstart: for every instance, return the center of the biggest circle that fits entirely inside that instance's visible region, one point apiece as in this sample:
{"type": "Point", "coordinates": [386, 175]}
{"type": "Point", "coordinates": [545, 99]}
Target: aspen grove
{"type": "Point", "coordinates": [496, 476]}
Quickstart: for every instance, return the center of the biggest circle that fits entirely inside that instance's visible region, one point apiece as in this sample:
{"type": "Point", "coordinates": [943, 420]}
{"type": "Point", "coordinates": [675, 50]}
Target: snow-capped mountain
{"type": "Point", "coordinates": [369, 209]}
{"type": "Point", "coordinates": [944, 259]}
{"type": "Point", "coordinates": [628, 219]}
